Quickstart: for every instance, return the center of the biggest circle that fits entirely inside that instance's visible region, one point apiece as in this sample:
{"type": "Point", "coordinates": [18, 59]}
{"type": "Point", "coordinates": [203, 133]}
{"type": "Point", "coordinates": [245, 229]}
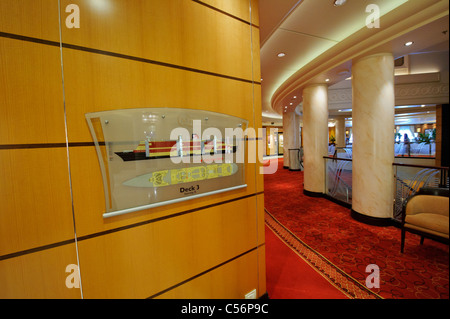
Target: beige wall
{"type": "Point", "coordinates": [134, 54]}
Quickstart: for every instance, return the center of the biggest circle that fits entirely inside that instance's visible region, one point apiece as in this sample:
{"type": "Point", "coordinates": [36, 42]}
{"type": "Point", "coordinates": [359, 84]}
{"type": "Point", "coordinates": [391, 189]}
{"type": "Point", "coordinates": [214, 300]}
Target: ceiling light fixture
{"type": "Point", "coordinates": [281, 54]}
{"type": "Point", "coordinates": [327, 80]}
{"type": "Point", "coordinates": [409, 43]}
{"type": "Point", "coordinates": [338, 3]}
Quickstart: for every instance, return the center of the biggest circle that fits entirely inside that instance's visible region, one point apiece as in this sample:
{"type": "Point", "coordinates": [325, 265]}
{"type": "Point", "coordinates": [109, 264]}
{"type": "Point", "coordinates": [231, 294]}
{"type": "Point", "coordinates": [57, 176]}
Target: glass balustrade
{"type": "Point", "coordinates": [338, 179]}
{"type": "Point", "coordinates": [415, 149]}
{"type": "Point", "coordinates": [408, 179]}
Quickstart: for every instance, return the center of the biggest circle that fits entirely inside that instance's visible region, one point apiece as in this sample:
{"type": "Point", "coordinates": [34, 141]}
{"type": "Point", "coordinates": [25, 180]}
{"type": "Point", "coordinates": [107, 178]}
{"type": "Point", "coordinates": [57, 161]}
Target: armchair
{"type": "Point", "coordinates": [427, 214]}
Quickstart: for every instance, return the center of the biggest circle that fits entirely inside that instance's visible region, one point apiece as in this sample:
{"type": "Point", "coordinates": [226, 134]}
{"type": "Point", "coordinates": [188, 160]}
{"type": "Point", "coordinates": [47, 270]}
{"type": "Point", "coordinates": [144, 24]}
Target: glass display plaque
{"type": "Point", "coordinates": [157, 156]}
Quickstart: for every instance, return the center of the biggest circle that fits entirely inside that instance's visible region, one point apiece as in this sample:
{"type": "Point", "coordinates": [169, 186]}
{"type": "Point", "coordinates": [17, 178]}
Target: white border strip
{"type": "Point", "coordinates": [172, 201]}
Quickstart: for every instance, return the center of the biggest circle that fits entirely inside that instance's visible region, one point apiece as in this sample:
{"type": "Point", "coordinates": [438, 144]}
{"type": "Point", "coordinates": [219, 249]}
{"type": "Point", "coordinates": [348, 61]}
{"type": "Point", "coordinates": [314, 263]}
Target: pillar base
{"type": "Point", "coordinates": [312, 194]}
{"type": "Point", "coordinates": [369, 220]}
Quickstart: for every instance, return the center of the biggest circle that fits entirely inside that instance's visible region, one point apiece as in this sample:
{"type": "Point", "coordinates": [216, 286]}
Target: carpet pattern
{"type": "Point", "coordinates": [422, 272]}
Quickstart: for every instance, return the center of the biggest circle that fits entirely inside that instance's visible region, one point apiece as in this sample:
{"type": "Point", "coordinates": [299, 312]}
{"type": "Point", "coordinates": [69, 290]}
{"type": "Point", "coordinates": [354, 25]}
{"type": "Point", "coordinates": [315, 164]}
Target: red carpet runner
{"type": "Point", "coordinates": [290, 277]}
{"type": "Point", "coordinates": [348, 246]}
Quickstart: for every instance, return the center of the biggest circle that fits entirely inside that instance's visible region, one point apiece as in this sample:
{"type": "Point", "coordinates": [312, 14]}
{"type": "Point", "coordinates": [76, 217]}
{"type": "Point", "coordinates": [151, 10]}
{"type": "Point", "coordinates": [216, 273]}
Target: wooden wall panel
{"type": "Point", "coordinates": [40, 275]}
{"type": "Point", "coordinates": [97, 82]}
{"type": "Point", "coordinates": [230, 281]}
{"type": "Point", "coordinates": [31, 99]}
{"type": "Point", "coordinates": [32, 18]}
{"type": "Point", "coordinates": [141, 261]}
{"type": "Point", "coordinates": [35, 207]}
{"type": "Point", "coordinates": [236, 8]}
{"type": "Point", "coordinates": [134, 54]}
{"type": "Point", "coordinates": [178, 32]}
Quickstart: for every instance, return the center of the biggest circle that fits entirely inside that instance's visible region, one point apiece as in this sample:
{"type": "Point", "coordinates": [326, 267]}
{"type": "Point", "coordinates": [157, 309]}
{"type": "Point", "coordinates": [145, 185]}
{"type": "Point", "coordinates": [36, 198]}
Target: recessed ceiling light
{"type": "Point", "coordinates": [327, 80]}
{"type": "Point", "coordinates": [409, 43]}
{"type": "Point", "coordinates": [281, 54]}
{"type": "Point", "coordinates": [295, 96]}
{"type": "Point", "coordinates": [338, 3]}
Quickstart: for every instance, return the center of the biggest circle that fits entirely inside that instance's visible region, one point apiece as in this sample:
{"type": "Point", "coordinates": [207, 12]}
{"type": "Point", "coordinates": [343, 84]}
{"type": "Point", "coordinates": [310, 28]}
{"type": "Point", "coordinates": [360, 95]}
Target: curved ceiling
{"type": "Point", "coordinates": [320, 40]}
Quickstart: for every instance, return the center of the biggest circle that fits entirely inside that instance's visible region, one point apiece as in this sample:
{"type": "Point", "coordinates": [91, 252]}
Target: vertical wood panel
{"type": "Point", "coordinates": [31, 100]}
{"type": "Point", "coordinates": [34, 183]}
{"type": "Point", "coordinates": [39, 275]}
{"type": "Point", "coordinates": [33, 18]}
{"type": "Point", "coordinates": [35, 207]}
{"type": "Point", "coordinates": [98, 83]}
{"type": "Point", "coordinates": [147, 259]}
{"type": "Point", "coordinates": [231, 281]}
{"type": "Point", "coordinates": [181, 32]}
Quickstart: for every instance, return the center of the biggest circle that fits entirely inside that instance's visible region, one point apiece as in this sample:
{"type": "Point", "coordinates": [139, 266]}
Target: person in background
{"type": "Point", "coordinates": [407, 144]}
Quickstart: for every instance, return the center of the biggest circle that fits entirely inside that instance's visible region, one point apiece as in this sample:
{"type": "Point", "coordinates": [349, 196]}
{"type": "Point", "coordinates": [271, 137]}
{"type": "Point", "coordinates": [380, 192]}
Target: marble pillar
{"type": "Point", "coordinates": [340, 131]}
{"type": "Point", "coordinates": [373, 136]}
{"type": "Point", "coordinates": [291, 134]}
{"type": "Point", "coordinates": [315, 138]}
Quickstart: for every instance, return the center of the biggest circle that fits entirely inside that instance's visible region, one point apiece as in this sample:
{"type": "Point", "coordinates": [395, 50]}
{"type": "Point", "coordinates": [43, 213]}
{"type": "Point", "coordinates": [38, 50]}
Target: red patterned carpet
{"type": "Point", "coordinates": [422, 272]}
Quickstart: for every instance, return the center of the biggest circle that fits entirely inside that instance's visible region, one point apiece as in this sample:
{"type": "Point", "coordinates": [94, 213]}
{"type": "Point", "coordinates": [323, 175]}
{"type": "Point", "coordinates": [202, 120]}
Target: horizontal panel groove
{"type": "Point", "coordinates": [71, 144]}
{"type": "Point", "coordinates": [121, 56]}
{"type": "Point", "coordinates": [46, 145]}
{"type": "Point", "coordinates": [37, 249]}
{"type": "Point", "coordinates": [204, 272]}
{"type": "Point", "coordinates": [225, 13]}
{"type": "Point", "coordinates": [165, 217]}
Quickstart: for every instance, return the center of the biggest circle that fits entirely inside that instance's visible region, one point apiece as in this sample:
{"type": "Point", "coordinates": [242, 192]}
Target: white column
{"type": "Point", "coordinates": [373, 136]}
{"type": "Point", "coordinates": [315, 137]}
{"type": "Point", "coordinates": [291, 135]}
